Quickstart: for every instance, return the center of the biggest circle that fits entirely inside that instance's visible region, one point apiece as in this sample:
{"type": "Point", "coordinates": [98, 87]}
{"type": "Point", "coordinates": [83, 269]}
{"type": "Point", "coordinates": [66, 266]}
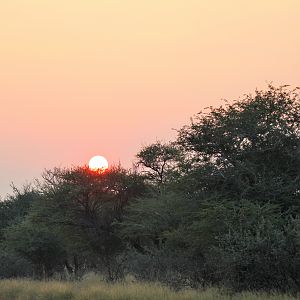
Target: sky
{"type": "Point", "coordinates": [85, 77]}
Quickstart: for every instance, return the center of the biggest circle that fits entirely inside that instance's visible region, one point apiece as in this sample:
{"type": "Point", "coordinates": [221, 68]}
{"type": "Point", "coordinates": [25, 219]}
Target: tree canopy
{"type": "Point", "coordinates": [219, 205]}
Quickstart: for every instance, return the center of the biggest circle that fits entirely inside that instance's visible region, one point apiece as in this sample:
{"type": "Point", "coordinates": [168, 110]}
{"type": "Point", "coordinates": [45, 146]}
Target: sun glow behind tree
{"type": "Point", "coordinates": [98, 163]}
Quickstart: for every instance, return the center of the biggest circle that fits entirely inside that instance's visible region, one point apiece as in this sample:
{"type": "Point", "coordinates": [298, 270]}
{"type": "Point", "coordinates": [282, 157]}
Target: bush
{"type": "Point", "coordinates": [13, 265]}
{"type": "Point", "coordinates": [263, 257]}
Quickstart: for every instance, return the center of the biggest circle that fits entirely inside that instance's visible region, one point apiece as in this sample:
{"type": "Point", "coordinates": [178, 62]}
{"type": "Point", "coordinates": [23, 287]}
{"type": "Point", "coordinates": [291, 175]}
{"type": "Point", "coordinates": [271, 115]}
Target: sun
{"type": "Point", "coordinates": [98, 163]}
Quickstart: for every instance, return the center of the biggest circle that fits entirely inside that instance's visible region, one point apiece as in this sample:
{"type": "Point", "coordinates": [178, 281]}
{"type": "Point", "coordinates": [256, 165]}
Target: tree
{"type": "Point", "coordinates": [258, 251]}
{"type": "Point", "coordinates": [219, 206]}
{"type": "Point", "coordinates": [16, 206]}
{"type": "Point", "coordinates": [13, 211]}
{"type": "Point", "coordinates": [159, 161]}
{"type": "Point", "coordinates": [39, 245]}
{"type": "Point", "coordinates": [237, 190]}
{"type": "Point", "coordinates": [248, 149]}
{"type": "Point", "coordinates": [86, 206]}
{"type": "Point", "coordinates": [243, 168]}
{"type": "Point", "coordinates": [157, 251]}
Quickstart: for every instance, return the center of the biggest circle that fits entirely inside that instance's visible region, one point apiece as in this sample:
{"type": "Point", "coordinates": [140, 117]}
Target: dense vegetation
{"type": "Point", "coordinates": [218, 206]}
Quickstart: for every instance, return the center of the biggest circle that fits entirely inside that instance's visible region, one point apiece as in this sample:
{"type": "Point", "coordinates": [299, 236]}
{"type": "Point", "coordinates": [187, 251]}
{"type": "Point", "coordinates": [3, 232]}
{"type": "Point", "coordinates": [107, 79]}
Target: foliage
{"type": "Point", "coordinates": [218, 206]}
{"type": "Point", "coordinates": [240, 177]}
{"type": "Point", "coordinates": [262, 256]}
{"type": "Point", "coordinates": [39, 245]}
{"type": "Point", "coordinates": [16, 206]}
{"type": "Point", "coordinates": [12, 265]}
{"type": "Point", "coordinates": [159, 162]}
{"type": "Point", "coordinates": [85, 207]}
{"type": "Point", "coordinates": [248, 149]}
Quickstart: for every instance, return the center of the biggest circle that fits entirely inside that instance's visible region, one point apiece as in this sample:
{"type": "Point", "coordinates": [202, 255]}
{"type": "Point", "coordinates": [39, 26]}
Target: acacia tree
{"type": "Point", "coordinates": [39, 245]}
{"type": "Point", "coordinates": [159, 162]}
{"type": "Point", "coordinates": [248, 149]}
{"type": "Point", "coordinates": [246, 155]}
{"type": "Point", "coordinates": [13, 211]}
{"type": "Point", "coordinates": [86, 207]}
{"type": "Point", "coordinates": [16, 206]}
{"type": "Point", "coordinates": [239, 189]}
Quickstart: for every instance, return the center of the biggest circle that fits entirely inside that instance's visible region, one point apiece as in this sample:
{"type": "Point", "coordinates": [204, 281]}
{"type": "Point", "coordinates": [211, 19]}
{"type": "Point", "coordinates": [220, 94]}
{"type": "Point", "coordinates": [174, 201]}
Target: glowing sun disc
{"type": "Point", "coordinates": [98, 163]}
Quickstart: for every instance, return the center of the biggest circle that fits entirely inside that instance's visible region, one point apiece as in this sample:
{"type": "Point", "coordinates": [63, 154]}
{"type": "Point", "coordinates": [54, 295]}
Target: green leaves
{"type": "Point", "coordinates": [220, 205]}
{"type": "Point", "coordinates": [159, 162]}
{"type": "Point", "coordinates": [250, 148]}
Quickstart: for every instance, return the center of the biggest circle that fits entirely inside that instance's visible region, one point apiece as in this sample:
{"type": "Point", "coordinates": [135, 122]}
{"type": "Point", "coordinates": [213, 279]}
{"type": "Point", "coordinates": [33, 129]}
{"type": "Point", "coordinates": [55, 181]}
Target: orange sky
{"type": "Point", "coordinates": [86, 77]}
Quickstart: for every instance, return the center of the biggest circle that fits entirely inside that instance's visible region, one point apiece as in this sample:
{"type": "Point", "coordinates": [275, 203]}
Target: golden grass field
{"type": "Point", "coordinates": [97, 290]}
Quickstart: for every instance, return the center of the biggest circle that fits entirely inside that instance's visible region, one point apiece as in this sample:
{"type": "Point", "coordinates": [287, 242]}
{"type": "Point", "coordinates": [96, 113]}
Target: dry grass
{"type": "Point", "coordinates": [97, 290]}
